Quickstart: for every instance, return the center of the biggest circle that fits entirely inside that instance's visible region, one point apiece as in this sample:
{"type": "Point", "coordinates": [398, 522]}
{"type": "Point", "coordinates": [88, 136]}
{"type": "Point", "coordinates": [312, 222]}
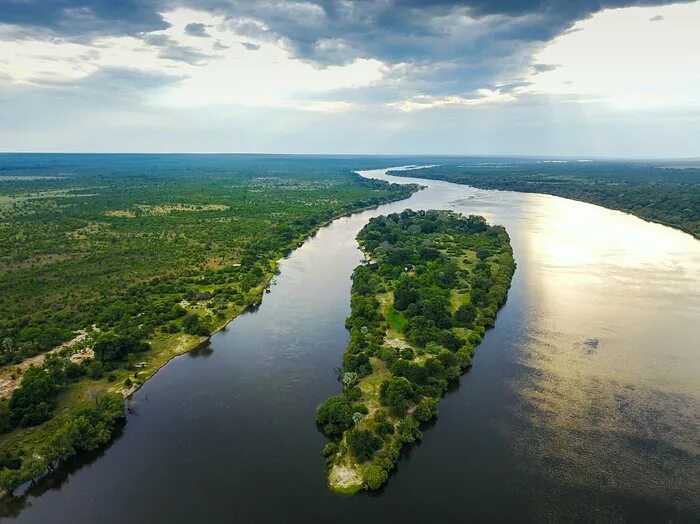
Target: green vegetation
{"type": "Point", "coordinates": [433, 284]}
{"type": "Point", "coordinates": [128, 264]}
{"type": "Point", "coordinates": [666, 195]}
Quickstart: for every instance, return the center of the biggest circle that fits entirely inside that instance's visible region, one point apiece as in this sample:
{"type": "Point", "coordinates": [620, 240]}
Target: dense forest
{"type": "Point", "coordinates": [107, 272]}
{"type": "Point", "coordinates": [665, 194]}
{"type": "Point", "coordinates": [433, 283]}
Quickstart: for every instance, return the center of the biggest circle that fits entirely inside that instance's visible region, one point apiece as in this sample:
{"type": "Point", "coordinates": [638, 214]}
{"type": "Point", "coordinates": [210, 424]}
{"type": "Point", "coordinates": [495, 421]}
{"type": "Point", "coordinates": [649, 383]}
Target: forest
{"type": "Point", "coordinates": [667, 194]}
{"type": "Point", "coordinates": [109, 269]}
{"type": "Point", "coordinates": [431, 286]}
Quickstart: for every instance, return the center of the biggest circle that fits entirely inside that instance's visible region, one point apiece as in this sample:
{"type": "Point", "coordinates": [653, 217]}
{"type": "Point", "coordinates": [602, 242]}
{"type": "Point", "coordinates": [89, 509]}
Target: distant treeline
{"type": "Point", "coordinates": [660, 194]}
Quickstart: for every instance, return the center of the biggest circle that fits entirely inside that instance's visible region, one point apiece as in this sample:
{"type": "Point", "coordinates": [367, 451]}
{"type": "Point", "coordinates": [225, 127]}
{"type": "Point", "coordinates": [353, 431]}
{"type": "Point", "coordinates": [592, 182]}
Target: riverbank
{"type": "Point", "coordinates": [432, 285]}
{"type": "Point", "coordinates": [126, 380]}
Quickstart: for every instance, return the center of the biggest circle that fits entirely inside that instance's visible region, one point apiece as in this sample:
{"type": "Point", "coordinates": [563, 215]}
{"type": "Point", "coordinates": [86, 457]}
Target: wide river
{"type": "Point", "coordinates": [583, 402]}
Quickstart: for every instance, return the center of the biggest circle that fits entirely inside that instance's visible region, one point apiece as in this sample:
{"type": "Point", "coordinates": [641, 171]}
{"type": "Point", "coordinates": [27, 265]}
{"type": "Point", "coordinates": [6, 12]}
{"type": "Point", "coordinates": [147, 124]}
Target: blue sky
{"type": "Point", "coordinates": [571, 78]}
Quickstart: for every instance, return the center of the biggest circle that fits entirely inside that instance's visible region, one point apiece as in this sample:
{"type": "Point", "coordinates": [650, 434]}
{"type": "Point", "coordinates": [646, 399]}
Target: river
{"type": "Point", "coordinates": [583, 402]}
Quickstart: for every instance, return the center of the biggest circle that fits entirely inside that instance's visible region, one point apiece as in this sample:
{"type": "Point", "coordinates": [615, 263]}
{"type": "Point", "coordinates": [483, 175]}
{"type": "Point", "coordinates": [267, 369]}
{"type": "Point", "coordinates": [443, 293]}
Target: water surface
{"type": "Point", "coordinates": [583, 402]}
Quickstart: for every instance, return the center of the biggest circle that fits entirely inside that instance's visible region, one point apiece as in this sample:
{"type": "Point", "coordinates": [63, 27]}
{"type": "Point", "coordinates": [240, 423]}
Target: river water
{"type": "Point", "coordinates": [583, 402]}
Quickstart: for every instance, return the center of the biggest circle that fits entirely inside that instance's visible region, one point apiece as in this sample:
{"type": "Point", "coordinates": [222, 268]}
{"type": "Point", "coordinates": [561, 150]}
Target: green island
{"type": "Point", "coordinates": [431, 286]}
{"type": "Point", "coordinates": [667, 193]}
{"type": "Point", "coordinates": [106, 275]}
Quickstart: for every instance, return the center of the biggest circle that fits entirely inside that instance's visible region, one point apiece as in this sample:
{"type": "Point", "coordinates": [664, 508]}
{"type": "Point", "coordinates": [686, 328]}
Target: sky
{"type": "Point", "coordinates": [605, 78]}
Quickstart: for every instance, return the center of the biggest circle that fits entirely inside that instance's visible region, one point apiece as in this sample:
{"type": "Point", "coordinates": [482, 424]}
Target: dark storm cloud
{"type": "Point", "coordinates": [338, 31]}
{"type": "Point", "coordinates": [447, 47]}
{"type": "Point", "coordinates": [303, 23]}
{"type": "Point", "coordinates": [83, 18]}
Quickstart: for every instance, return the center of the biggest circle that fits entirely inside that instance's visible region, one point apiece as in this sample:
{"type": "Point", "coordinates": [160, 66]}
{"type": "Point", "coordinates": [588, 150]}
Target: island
{"type": "Point", "coordinates": [431, 285]}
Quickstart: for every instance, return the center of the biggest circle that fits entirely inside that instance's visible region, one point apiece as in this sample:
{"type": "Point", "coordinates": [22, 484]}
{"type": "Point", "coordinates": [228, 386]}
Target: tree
{"type": "Point", "coordinates": [113, 348]}
{"type": "Point", "coordinates": [334, 415]}
{"type": "Point", "coordinates": [374, 476]}
{"type": "Point", "coordinates": [193, 325]}
{"type": "Point", "coordinates": [396, 394]}
{"type": "Point", "coordinates": [32, 402]}
{"type": "Point", "coordinates": [407, 430]}
{"type": "Point", "coordinates": [350, 378]}
{"type": "Point", "coordinates": [465, 315]}
{"type": "Point", "coordinates": [406, 293]}
{"type": "Point", "coordinates": [363, 444]}
{"type": "Point", "coordinates": [426, 409]}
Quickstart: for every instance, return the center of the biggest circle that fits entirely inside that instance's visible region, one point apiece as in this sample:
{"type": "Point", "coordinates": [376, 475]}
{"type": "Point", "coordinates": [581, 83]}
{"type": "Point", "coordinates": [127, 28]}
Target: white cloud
{"type": "Point", "coordinates": [626, 59]}
{"type": "Point", "coordinates": [483, 97]}
{"type": "Point", "coordinates": [221, 74]}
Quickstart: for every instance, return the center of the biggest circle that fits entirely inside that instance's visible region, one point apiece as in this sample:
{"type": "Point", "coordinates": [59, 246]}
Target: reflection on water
{"type": "Point", "coordinates": [610, 394]}
{"type": "Point", "coordinates": [583, 402]}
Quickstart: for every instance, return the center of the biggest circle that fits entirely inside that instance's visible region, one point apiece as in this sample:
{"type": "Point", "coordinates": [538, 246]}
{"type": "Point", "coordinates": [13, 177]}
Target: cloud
{"type": "Point", "coordinates": [196, 29]}
{"type": "Point", "coordinates": [656, 18]}
{"type": "Point", "coordinates": [171, 49]}
{"type": "Point", "coordinates": [654, 65]}
{"type": "Point", "coordinates": [84, 18]}
{"type": "Point", "coordinates": [401, 61]}
{"type": "Point", "coordinates": [250, 46]}
{"type": "Point", "coordinates": [542, 68]}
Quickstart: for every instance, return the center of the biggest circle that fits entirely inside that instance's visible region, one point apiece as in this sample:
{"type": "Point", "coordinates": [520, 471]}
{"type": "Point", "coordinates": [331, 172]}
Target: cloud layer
{"type": "Point", "coordinates": [454, 59]}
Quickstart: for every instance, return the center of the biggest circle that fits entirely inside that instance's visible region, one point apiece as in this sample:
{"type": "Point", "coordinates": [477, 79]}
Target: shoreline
{"type": "Point", "coordinates": [188, 346]}
{"type": "Point", "coordinates": [626, 212]}
{"type": "Point", "coordinates": [206, 339]}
